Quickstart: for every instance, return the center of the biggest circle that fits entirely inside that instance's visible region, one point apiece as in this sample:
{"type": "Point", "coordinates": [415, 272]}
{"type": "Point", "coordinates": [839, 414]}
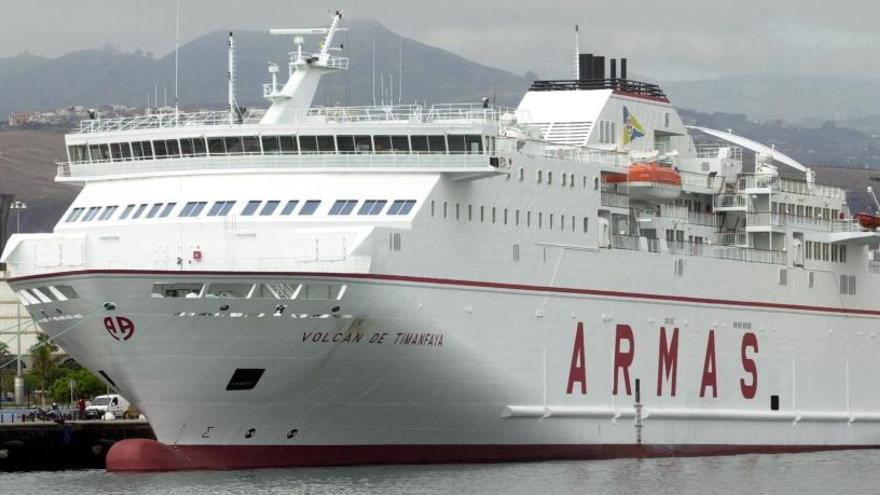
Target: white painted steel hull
{"type": "Point", "coordinates": [498, 375]}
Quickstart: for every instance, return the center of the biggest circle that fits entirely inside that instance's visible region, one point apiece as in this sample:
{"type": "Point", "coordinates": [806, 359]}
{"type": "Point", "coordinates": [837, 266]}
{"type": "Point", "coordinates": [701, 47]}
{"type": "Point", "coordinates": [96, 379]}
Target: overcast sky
{"type": "Point", "coordinates": [664, 39]}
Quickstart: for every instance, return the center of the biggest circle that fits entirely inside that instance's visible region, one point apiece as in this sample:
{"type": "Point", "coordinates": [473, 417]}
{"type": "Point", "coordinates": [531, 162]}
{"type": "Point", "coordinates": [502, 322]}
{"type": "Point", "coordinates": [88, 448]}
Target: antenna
{"type": "Point", "coordinates": [233, 107]}
{"type": "Point", "coordinates": [176, 61]}
{"type": "Point", "coordinates": [374, 71]}
{"type": "Point", "coordinates": [577, 52]}
{"type": "Point", "coordinates": [400, 69]}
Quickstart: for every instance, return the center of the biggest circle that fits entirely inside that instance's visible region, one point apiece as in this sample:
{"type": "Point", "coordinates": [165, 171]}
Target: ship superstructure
{"type": "Point", "coordinates": [572, 278]}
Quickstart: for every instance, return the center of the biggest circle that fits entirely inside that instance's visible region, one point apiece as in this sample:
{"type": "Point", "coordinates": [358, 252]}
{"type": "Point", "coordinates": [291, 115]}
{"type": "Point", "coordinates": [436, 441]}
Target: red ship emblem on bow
{"type": "Point", "coordinates": [119, 327]}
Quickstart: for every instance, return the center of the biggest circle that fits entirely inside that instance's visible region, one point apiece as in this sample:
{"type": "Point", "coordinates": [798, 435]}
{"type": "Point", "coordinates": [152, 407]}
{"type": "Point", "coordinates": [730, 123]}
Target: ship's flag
{"type": "Point", "coordinates": [632, 128]}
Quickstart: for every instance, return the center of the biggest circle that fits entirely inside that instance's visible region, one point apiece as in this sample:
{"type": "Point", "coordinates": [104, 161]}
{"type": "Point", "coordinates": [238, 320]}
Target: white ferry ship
{"type": "Point", "coordinates": [574, 278]}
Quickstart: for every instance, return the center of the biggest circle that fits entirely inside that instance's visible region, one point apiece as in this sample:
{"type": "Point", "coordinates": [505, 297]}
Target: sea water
{"type": "Point", "coordinates": [837, 473]}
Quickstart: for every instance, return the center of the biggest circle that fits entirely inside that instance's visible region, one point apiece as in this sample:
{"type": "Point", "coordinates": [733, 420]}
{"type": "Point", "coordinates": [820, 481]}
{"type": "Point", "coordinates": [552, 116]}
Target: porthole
{"type": "Point", "coordinates": [250, 433]}
{"type": "Point", "coordinates": [292, 433]}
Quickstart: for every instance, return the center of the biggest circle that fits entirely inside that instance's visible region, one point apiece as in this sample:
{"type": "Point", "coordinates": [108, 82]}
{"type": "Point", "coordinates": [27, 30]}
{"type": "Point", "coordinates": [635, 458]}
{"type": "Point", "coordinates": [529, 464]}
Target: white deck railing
{"type": "Point", "coordinates": [685, 248]}
{"type": "Point", "coordinates": [765, 219]}
{"type": "Point", "coordinates": [791, 186]}
{"type": "Point", "coordinates": [731, 239]}
{"type": "Point", "coordinates": [615, 200]}
{"type": "Point", "coordinates": [697, 218]}
{"type": "Point", "coordinates": [451, 112]}
{"type": "Point", "coordinates": [730, 201]}
{"type": "Point", "coordinates": [714, 150]}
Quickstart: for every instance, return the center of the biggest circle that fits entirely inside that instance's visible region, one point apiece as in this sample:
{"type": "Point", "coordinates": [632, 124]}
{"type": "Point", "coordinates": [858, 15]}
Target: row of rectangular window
{"type": "Point", "coordinates": [223, 208]}
{"type": "Point", "coordinates": [825, 251]}
{"type": "Point", "coordinates": [805, 211]}
{"type": "Point", "coordinates": [493, 215]}
{"type": "Point", "coordinates": [273, 145]}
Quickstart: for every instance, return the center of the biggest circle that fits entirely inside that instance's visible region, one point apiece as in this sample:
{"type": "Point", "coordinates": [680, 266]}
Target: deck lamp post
{"type": "Point", "coordinates": [18, 207]}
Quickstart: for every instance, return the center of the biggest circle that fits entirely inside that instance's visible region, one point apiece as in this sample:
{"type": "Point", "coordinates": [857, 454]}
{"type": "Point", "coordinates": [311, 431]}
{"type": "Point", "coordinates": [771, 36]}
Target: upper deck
{"type": "Point", "coordinates": [439, 116]}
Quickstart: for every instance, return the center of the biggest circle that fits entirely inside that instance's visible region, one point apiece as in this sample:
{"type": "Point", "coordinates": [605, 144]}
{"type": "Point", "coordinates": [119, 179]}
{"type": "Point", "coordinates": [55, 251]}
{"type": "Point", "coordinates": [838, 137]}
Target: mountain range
{"type": "Point", "coordinates": [107, 76]}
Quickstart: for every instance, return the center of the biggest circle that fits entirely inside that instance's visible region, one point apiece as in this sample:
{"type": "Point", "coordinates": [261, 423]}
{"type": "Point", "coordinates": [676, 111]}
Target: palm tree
{"type": "Point", "coordinates": [42, 361]}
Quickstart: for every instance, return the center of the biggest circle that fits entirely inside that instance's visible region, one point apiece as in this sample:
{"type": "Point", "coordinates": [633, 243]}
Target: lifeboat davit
{"type": "Point", "coordinates": [867, 221]}
{"type": "Point", "coordinates": [649, 180]}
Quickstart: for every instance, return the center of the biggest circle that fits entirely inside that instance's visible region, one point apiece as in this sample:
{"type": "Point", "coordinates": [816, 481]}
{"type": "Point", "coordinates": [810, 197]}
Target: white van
{"type": "Point", "coordinates": [103, 404]}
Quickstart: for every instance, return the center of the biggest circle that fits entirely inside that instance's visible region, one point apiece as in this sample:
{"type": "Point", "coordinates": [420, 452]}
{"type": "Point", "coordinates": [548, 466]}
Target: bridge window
{"type": "Point", "coordinates": [167, 210]}
{"type": "Point", "coordinates": [120, 151]}
{"type": "Point", "coordinates": [437, 144]}
{"type": "Point", "coordinates": [326, 144]}
{"type": "Point", "coordinates": [192, 209]}
{"type": "Point", "coordinates": [309, 207]}
{"type": "Point", "coordinates": [288, 145]}
{"type": "Point", "coordinates": [139, 211]}
{"type": "Point", "coordinates": [456, 143]}
{"type": "Point", "coordinates": [216, 146]}
{"type": "Point", "coordinates": [269, 208]}
{"type": "Point", "coordinates": [308, 144]}
{"type": "Point", "coordinates": [199, 148]}
{"type": "Point", "coordinates": [103, 152]}
{"type": "Point", "coordinates": [142, 150]}
{"type": "Point", "coordinates": [400, 144]}
{"type": "Point", "coordinates": [251, 145]}
{"type": "Point", "coordinates": [108, 212]}
{"type": "Point", "coordinates": [363, 144]}
{"type": "Point", "coordinates": [382, 144]}
{"type": "Point", "coordinates": [250, 208]}
{"type": "Point", "coordinates": [186, 147]}
{"type": "Point", "coordinates": [343, 206]}
{"type": "Point", "coordinates": [289, 207]}
{"type": "Point", "coordinates": [90, 215]}
{"type": "Point", "coordinates": [270, 145]}
{"type": "Point", "coordinates": [345, 144]}
{"type": "Point", "coordinates": [159, 147]}
{"type": "Point", "coordinates": [78, 153]}
{"type": "Point", "coordinates": [74, 214]}
{"type": "Point", "coordinates": [474, 143]}
{"type": "Point", "coordinates": [401, 206]}
{"type": "Point", "coordinates": [221, 208]}
{"type": "Point", "coordinates": [234, 145]}
{"type": "Point", "coordinates": [419, 144]}
{"type": "Point", "coordinates": [372, 207]}
{"type": "Point", "coordinates": [173, 148]}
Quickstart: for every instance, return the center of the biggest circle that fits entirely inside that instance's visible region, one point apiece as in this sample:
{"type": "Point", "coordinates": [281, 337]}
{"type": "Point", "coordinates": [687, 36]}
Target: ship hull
{"type": "Point", "coordinates": [416, 370]}
{"type": "Point", "coordinates": [149, 455]}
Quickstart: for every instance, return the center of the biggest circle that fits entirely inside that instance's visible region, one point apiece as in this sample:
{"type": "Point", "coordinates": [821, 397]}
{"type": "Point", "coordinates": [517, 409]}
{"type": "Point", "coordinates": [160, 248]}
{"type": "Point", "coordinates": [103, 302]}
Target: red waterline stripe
{"type": "Point", "coordinates": [150, 455]}
{"type": "Point", "coordinates": [466, 283]}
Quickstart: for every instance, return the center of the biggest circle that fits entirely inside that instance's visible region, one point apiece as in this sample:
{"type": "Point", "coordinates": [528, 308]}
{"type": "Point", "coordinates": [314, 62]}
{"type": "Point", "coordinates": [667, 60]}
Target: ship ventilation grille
{"type": "Point", "coordinates": [567, 133]}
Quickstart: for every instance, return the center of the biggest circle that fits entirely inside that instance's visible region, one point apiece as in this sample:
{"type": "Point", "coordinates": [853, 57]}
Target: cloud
{"type": "Point", "coordinates": [664, 39]}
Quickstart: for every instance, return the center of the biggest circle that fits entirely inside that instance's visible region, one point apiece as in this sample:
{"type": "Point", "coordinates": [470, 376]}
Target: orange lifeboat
{"type": "Point", "coordinates": [867, 221]}
{"type": "Point", "coordinates": [649, 180]}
